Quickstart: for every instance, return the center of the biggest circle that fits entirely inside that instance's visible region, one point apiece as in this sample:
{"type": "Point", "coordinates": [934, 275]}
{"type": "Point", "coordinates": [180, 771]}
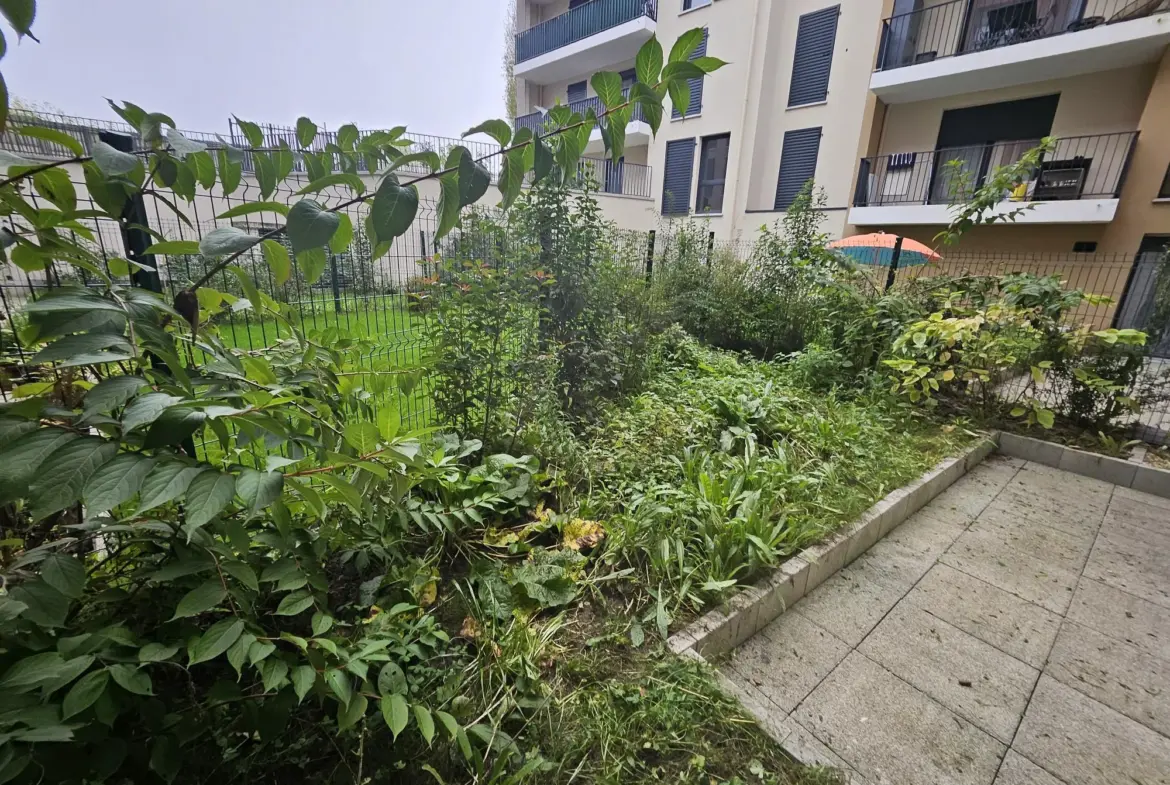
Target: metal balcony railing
{"type": "Point", "coordinates": [535, 120]}
{"type": "Point", "coordinates": [579, 23]}
{"type": "Point", "coordinates": [1080, 167]}
{"type": "Point", "coordinates": [962, 27]}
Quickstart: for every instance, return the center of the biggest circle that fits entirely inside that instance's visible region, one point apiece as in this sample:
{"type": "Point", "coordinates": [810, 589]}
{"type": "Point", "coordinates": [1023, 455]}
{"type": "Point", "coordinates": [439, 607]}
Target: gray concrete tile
{"type": "Point", "coordinates": [1084, 742]}
{"type": "Point", "coordinates": [1102, 467]}
{"type": "Point", "coordinates": [786, 660]}
{"type": "Point", "coordinates": [1137, 495]}
{"type": "Point", "coordinates": [971, 678]}
{"type": "Point", "coordinates": [1122, 616]}
{"type": "Point", "coordinates": [930, 531]}
{"type": "Point", "coordinates": [976, 489]}
{"type": "Point", "coordinates": [1139, 521]}
{"type": "Point", "coordinates": [1078, 517]}
{"type": "Point", "coordinates": [1115, 673]}
{"type": "Point", "coordinates": [1044, 480]}
{"type": "Point", "coordinates": [1151, 480]}
{"type": "Point", "coordinates": [1132, 566]}
{"type": "Point", "coordinates": [854, 600]}
{"type": "Point", "coordinates": [892, 733]}
{"type": "Point", "coordinates": [1032, 577]}
{"type": "Point", "coordinates": [1018, 770]}
{"type": "Point", "coordinates": [1034, 534]}
{"type": "Point", "coordinates": [1022, 629]}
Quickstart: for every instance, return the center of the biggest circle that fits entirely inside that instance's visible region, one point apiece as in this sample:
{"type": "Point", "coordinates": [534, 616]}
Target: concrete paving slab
{"type": "Point", "coordinates": [1020, 628]}
{"type": "Point", "coordinates": [1115, 673]}
{"type": "Point", "coordinates": [1122, 616]}
{"type": "Point", "coordinates": [1018, 770]}
{"type": "Point", "coordinates": [971, 678]}
{"type": "Point", "coordinates": [1084, 742]}
{"type": "Point", "coordinates": [1034, 534]}
{"type": "Point", "coordinates": [853, 601]}
{"type": "Point", "coordinates": [1032, 577]}
{"type": "Point", "coordinates": [892, 733]}
{"type": "Point", "coordinates": [1132, 566]}
{"type": "Point", "coordinates": [786, 660]}
{"type": "Point", "coordinates": [1133, 494]}
{"type": "Point", "coordinates": [930, 531]}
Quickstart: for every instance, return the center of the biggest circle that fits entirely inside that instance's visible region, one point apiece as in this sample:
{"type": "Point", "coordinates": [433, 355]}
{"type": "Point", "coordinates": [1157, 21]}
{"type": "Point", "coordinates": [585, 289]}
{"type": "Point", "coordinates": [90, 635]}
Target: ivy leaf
{"type": "Point", "coordinates": [425, 722]}
{"type": "Point", "coordinates": [648, 64]}
{"type": "Point", "coordinates": [312, 263]}
{"type": "Point", "coordinates": [84, 693]}
{"type": "Point", "coordinates": [62, 476]}
{"type": "Point", "coordinates": [131, 678]}
{"type": "Point", "coordinates": [306, 131]}
{"type": "Point", "coordinates": [166, 482]}
{"type": "Point", "coordinates": [218, 638]}
{"type": "Point", "coordinates": [394, 710]}
{"type": "Point", "coordinates": [112, 162]}
{"type": "Point", "coordinates": [259, 489]}
{"type": "Point", "coordinates": [200, 599]}
{"type": "Point", "coordinates": [226, 240]}
{"type": "Point", "coordinates": [343, 236]}
{"type": "Point", "coordinates": [207, 496]}
{"type": "Point", "coordinates": [303, 678]}
{"type": "Point", "coordinates": [277, 257]}
{"type": "Point", "coordinates": [496, 129]}
{"type": "Point", "coordinates": [116, 481]}
{"type": "Point", "coordinates": [294, 603]}
{"type": "Point", "coordinates": [64, 573]}
{"type": "Point", "coordinates": [393, 210]}
{"type": "Point", "coordinates": [608, 86]}
{"type": "Point", "coordinates": [310, 226]}
{"type": "Point", "coordinates": [362, 436]}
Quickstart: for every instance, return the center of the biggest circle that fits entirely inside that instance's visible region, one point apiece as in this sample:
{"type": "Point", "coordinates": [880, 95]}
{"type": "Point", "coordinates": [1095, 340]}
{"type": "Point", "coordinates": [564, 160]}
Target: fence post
{"type": "Point", "coordinates": [710, 246]}
{"type": "Point", "coordinates": [650, 255]}
{"type": "Point", "coordinates": [894, 263]}
{"type": "Point", "coordinates": [336, 283]}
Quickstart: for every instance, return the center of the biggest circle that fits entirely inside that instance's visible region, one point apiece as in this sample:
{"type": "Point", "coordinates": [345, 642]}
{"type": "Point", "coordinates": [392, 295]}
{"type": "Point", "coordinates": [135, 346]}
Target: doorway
{"type": "Point", "coordinates": [1146, 300]}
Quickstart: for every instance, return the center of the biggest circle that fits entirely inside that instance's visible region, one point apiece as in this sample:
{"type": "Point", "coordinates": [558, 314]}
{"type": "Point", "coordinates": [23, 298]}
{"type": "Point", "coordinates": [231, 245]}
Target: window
{"type": "Point", "coordinates": [1164, 191]}
{"type": "Point", "coordinates": [815, 34]}
{"type": "Point", "coordinates": [629, 76]}
{"type": "Point", "coordinates": [712, 173]}
{"type": "Point", "coordinates": [1085, 246]}
{"type": "Point", "coordinates": [798, 164]}
{"type": "Point", "coordinates": [676, 183]}
{"type": "Point", "coordinates": [577, 91]}
{"type": "Point", "coordinates": [696, 85]}
{"type": "Point", "coordinates": [689, 4]}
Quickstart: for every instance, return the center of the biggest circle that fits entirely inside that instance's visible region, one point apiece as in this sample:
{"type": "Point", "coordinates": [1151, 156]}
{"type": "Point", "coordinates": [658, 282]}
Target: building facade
{"type": "Point", "coordinates": [871, 99]}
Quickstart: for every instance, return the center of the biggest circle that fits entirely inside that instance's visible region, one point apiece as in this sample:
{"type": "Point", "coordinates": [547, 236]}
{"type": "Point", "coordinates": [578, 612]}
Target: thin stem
{"type": "Point", "coordinates": [43, 168]}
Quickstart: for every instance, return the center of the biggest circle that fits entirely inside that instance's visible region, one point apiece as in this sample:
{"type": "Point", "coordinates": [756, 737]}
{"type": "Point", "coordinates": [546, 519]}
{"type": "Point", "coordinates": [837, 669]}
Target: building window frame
{"type": "Point", "coordinates": [694, 5]}
{"type": "Point", "coordinates": [708, 181]}
{"type": "Point", "coordinates": [1164, 191]}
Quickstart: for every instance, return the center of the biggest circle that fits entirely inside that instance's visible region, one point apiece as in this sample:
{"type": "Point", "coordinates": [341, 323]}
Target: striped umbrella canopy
{"type": "Point", "coordinates": [878, 249]}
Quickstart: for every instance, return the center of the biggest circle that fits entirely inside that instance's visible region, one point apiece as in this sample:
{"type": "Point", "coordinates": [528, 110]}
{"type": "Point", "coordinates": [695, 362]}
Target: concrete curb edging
{"type": "Point", "coordinates": [754, 607]}
{"type": "Point", "coordinates": [1127, 474]}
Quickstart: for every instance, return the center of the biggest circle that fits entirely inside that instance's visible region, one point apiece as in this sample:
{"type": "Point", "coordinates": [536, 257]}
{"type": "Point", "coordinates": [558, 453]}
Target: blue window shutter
{"type": "Point", "coordinates": [696, 84]}
{"type": "Point", "coordinates": [798, 164]}
{"type": "Point", "coordinates": [676, 183]}
{"type": "Point", "coordinates": [815, 35]}
{"type": "Point", "coordinates": [576, 91]}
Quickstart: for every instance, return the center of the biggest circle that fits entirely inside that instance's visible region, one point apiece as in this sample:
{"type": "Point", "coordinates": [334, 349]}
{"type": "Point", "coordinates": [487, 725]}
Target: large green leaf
{"type": "Point", "coordinates": [45, 605]}
{"type": "Point", "coordinates": [511, 177]}
{"type": "Point", "coordinates": [85, 693]}
{"type": "Point", "coordinates": [20, 14]}
{"type": "Point", "coordinates": [362, 436]}
{"type": "Point", "coordinates": [146, 409]}
{"type": "Point", "coordinates": [685, 45]}
{"type": "Point", "coordinates": [295, 603]}
{"type": "Point", "coordinates": [425, 722]}
{"type": "Point", "coordinates": [251, 132]}
{"type": "Point", "coordinates": [393, 210]}
{"type": "Point", "coordinates": [648, 64]}
{"type": "Point", "coordinates": [64, 573]}
{"type": "Point", "coordinates": [32, 672]}
{"type": "Point", "coordinates": [183, 146]}
{"type": "Point", "coordinates": [112, 392]}
{"type": "Point", "coordinates": [226, 240]}
{"type": "Point", "coordinates": [74, 350]}
{"type": "Point", "coordinates": [218, 639]}
{"type": "Point", "coordinates": [61, 477]}
{"type": "Point", "coordinates": [310, 226]}
{"type": "Point", "coordinates": [248, 208]}
{"type": "Point", "coordinates": [116, 481]}
{"type": "Point", "coordinates": [259, 489]}
{"type": "Point", "coordinates": [173, 426]}
{"type": "Point", "coordinates": [168, 481]}
{"type": "Point", "coordinates": [312, 263]}
{"type": "Point", "coordinates": [200, 599]}
{"type": "Point", "coordinates": [204, 166]}
{"type": "Point", "coordinates": [337, 178]}
{"type": "Point", "coordinates": [207, 496]}
{"type": "Point", "coordinates": [229, 172]}
{"type": "Point", "coordinates": [343, 236]}
{"type": "Point", "coordinates": [265, 172]}
{"type": "Point", "coordinates": [306, 131]}
{"type": "Point", "coordinates": [175, 248]}
{"type": "Point", "coordinates": [277, 257]}
{"type": "Point", "coordinates": [474, 179]}
{"type": "Point", "coordinates": [608, 86]}
{"type": "Point", "coordinates": [112, 162]}
{"type": "Point", "coordinates": [496, 129]}
{"type": "Point", "coordinates": [56, 186]}
{"type": "Point", "coordinates": [132, 678]}
{"type": "Point", "coordinates": [20, 461]}
{"type": "Point", "coordinates": [394, 710]}
{"type": "Point", "coordinates": [303, 677]}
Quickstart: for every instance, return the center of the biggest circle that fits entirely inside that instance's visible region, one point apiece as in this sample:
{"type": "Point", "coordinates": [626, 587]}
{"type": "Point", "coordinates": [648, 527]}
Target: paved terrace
{"type": "Point", "coordinates": [1015, 631]}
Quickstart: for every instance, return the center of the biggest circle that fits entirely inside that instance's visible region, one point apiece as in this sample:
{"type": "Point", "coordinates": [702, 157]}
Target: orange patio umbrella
{"type": "Point", "coordinates": [878, 249]}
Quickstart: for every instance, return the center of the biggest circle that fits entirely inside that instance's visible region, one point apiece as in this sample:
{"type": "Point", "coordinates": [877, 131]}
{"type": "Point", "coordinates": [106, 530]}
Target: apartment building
{"type": "Point", "coordinates": [871, 98]}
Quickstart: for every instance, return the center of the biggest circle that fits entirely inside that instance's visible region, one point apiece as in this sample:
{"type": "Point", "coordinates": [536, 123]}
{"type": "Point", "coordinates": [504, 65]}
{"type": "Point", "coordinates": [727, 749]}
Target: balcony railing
{"type": "Point", "coordinates": [962, 27]}
{"type": "Point", "coordinates": [535, 120]}
{"type": "Point", "coordinates": [579, 23]}
{"type": "Point", "coordinates": [1080, 167]}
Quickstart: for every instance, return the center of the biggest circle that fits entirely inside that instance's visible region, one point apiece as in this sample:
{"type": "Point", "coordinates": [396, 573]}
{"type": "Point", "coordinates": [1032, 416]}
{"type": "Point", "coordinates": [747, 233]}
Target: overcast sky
{"type": "Point", "coordinates": [432, 65]}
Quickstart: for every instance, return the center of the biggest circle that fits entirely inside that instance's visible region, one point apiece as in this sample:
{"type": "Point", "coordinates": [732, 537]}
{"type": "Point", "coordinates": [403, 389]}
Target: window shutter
{"type": "Point", "coordinates": [576, 91]}
{"type": "Point", "coordinates": [696, 84]}
{"type": "Point", "coordinates": [676, 183]}
{"type": "Point", "coordinates": [798, 164]}
{"type": "Point", "coordinates": [815, 35]}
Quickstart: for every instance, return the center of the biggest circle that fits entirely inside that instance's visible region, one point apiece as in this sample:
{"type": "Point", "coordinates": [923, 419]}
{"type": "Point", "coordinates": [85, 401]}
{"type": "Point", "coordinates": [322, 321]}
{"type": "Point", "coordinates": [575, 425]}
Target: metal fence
{"type": "Point", "coordinates": [961, 27]}
{"type": "Point", "coordinates": [1080, 167]}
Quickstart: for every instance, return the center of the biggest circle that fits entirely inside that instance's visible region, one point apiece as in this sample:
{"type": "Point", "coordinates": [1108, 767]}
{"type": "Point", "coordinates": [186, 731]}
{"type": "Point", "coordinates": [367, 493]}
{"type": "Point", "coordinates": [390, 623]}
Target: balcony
{"type": "Point", "coordinates": [584, 39]}
{"type": "Point", "coordinates": [963, 46]}
{"type": "Point", "coordinates": [637, 131]}
{"type": "Point", "coordinates": [1079, 182]}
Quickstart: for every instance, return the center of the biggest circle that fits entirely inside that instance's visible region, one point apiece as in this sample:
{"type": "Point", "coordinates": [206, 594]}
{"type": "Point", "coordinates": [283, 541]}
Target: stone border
{"type": "Point", "coordinates": [754, 607]}
{"type": "Point", "coordinates": [1127, 474]}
